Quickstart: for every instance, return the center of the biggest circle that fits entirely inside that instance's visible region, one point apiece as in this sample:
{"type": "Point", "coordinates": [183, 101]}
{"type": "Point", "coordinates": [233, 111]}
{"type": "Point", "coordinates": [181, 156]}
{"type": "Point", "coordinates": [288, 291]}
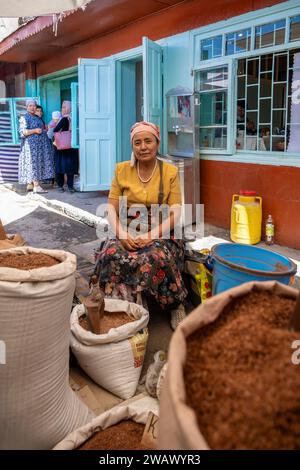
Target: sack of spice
{"type": "Point", "coordinates": [231, 382]}
{"type": "Point", "coordinates": [120, 428]}
{"type": "Point", "coordinates": [38, 408]}
{"type": "Point", "coordinates": [113, 358]}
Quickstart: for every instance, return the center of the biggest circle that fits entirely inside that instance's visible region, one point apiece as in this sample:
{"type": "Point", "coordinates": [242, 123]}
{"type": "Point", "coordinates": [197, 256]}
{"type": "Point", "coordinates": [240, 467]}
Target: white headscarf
{"type": "Point", "coordinates": [68, 106]}
{"type": "Point", "coordinates": [30, 101]}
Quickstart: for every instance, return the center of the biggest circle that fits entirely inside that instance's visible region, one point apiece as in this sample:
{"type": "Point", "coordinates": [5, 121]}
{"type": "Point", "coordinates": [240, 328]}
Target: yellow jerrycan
{"type": "Point", "coordinates": [246, 216]}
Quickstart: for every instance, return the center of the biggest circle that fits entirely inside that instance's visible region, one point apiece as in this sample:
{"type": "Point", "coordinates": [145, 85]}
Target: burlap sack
{"type": "Point", "coordinates": [113, 360]}
{"type": "Point", "coordinates": [178, 427]}
{"type": "Point", "coordinates": [137, 410]}
{"type": "Point", "coordinates": [37, 406]}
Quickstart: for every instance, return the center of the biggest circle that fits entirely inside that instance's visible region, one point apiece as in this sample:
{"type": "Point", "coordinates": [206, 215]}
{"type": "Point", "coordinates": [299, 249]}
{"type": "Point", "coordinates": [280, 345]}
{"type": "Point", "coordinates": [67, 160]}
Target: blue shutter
{"type": "Point", "coordinates": [11, 110]}
{"type": "Point", "coordinates": [74, 115]}
{"type": "Point", "coordinates": [96, 123]}
{"type": "Point", "coordinates": [7, 123]}
{"type": "Point", "coordinates": [152, 81]}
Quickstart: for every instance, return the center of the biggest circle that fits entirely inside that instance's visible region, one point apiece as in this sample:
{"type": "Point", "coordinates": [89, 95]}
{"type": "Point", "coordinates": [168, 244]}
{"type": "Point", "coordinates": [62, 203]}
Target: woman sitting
{"type": "Point", "coordinates": [144, 262]}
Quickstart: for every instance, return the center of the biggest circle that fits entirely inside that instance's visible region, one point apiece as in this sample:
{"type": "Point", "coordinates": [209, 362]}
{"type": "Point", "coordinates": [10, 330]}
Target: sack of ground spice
{"type": "Point", "coordinates": [38, 408]}
{"type": "Point", "coordinates": [128, 438]}
{"type": "Point", "coordinates": [231, 382]}
{"type": "Point", "coordinates": [113, 359]}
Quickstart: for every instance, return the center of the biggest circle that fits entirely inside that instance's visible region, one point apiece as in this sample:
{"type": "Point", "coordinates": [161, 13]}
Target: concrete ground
{"type": "Point", "coordinates": [67, 221]}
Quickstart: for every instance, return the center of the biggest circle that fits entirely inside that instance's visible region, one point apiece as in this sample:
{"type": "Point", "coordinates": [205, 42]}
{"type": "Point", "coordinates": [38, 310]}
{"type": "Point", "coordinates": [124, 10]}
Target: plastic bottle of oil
{"type": "Point", "coordinates": [269, 230]}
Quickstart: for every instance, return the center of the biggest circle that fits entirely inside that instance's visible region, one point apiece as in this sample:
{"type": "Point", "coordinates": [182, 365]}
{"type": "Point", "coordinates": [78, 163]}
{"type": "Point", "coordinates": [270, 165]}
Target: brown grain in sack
{"type": "Point", "coordinates": [108, 321]}
{"type": "Point", "coordinates": [27, 261]}
{"type": "Point", "coordinates": [138, 410]}
{"type": "Point", "coordinates": [231, 383]}
{"type": "Point", "coordinates": [125, 435]}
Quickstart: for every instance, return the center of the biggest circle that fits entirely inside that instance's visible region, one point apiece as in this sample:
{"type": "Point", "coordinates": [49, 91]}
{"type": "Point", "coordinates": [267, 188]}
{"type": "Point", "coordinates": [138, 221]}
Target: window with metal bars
{"type": "Point", "coordinates": [268, 110]}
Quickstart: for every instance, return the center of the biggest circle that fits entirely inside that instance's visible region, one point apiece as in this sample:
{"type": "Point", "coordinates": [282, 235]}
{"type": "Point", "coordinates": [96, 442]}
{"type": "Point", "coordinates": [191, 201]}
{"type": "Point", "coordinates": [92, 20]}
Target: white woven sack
{"type": "Point", "coordinates": [138, 411]}
{"type": "Point", "coordinates": [113, 360]}
{"type": "Point", "coordinates": [37, 406]}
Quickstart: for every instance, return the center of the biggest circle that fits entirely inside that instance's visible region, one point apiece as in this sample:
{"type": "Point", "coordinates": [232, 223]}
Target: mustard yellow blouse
{"type": "Point", "coordinates": [127, 183]}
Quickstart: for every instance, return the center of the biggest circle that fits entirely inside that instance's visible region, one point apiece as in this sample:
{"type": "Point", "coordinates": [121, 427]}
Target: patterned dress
{"type": "Point", "coordinates": [36, 161]}
{"type": "Point", "coordinates": [154, 270]}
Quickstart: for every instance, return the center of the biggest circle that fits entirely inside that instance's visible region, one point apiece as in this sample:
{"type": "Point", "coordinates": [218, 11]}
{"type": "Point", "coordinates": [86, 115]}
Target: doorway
{"type": "Point", "coordinates": [54, 89]}
{"type": "Point", "coordinates": [129, 81]}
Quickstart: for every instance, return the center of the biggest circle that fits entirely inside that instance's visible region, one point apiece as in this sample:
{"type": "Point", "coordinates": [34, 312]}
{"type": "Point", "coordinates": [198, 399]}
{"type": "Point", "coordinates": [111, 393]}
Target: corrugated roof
{"type": "Point", "coordinates": [35, 41]}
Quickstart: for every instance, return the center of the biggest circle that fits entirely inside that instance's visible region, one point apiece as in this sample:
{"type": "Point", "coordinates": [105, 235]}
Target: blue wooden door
{"type": "Point", "coordinates": [74, 115]}
{"type": "Point", "coordinates": [96, 80]}
{"type": "Point", "coordinates": [152, 82]}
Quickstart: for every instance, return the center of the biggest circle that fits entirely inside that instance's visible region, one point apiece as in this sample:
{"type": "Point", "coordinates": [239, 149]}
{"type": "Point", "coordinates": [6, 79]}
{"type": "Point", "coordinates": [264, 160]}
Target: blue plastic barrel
{"type": "Point", "coordinates": [234, 264]}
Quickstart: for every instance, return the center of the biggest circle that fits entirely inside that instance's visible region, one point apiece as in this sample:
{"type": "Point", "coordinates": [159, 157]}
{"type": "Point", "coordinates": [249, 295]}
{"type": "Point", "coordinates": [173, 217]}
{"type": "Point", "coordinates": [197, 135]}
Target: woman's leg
{"type": "Point", "coordinates": [60, 180]}
{"type": "Point", "coordinates": [37, 188]}
{"type": "Point", "coordinates": [70, 181]}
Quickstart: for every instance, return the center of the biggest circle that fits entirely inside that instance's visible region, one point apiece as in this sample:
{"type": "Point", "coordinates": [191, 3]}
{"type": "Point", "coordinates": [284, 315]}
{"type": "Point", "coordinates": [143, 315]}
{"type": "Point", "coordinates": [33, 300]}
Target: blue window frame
{"type": "Point", "coordinates": [214, 109]}
{"type": "Point", "coordinates": [238, 41]}
{"type": "Point", "coordinates": [263, 113]}
{"type": "Point", "coordinates": [270, 34]}
{"type": "Point", "coordinates": [295, 28]}
{"type": "Point", "coordinates": [211, 48]}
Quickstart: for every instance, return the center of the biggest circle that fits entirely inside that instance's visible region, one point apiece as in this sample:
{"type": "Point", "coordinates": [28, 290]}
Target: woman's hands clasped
{"type": "Point", "coordinates": [134, 244]}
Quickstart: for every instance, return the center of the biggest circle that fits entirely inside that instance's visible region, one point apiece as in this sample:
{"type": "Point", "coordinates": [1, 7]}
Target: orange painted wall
{"type": "Point", "coordinates": [182, 17]}
{"type": "Point", "coordinates": [279, 187]}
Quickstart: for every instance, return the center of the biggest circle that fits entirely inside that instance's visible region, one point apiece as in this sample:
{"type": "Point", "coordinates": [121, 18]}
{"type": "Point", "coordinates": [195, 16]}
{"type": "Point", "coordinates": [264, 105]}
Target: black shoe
{"type": "Point", "coordinates": [61, 190]}
{"type": "Point", "coordinates": [71, 190]}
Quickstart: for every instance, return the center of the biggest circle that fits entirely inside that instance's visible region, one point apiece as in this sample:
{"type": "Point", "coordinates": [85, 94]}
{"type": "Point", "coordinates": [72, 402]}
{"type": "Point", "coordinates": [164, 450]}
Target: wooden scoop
{"type": "Point", "coordinates": [94, 304]}
{"type": "Point", "coordinates": [294, 324]}
{"type": "Point", "coordinates": [2, 232]}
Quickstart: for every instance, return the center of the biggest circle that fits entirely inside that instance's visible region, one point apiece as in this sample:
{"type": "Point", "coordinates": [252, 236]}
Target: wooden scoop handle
{"type": "Point", "coordinates": [2, 232]}
{"type": "Point", "coordinates": [94, 304]}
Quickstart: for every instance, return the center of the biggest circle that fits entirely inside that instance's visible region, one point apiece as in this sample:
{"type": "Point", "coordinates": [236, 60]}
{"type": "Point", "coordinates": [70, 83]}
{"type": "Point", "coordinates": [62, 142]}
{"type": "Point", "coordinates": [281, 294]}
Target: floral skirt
{"type": "Point", "coordinates": [154, 270]}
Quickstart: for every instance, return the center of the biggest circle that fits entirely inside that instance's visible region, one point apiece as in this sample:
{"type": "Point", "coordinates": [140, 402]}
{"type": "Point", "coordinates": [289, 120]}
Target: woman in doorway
{"type": "Point", "coordinates": [66, 161]}
{"type": "Point", "coordinates": [149, 262]}
{"type": "Point", "coordinates": [36, 156]}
